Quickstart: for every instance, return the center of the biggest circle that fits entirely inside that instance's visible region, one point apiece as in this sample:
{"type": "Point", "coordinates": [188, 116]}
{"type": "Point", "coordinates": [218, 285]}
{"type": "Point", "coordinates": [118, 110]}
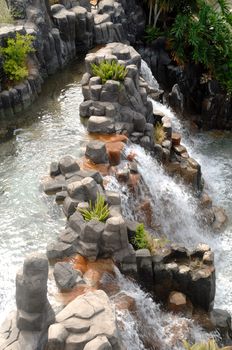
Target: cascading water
{"type": "Point", "coordinates": [174, 208]}
{"type": "Point", "coordinates": [148, 76]}
{"type": "Point", "coordinates": [148, 327]}
{"type": "Point", "coordinates": [214, 154]}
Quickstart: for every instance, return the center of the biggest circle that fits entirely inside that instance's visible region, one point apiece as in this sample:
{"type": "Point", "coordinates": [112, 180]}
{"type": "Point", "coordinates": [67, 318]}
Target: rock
{"type": "Point", "coordinates": [69, 206]}
{"type": "Point", "coordinates": [83, 191]}
{"type": "Point", "coordinates": [54, 169]}
{"type": "Point", "coordinates": [57, 334]}
{"type": "Point", "coordinates": [68, 164]}
{"type": "Point", "coordinates": [179, 149]}
{"type": "Point", "coordinates": [92, 309]}
{"type": "Point", "coordinates": [34, 312]}
{"type": "Point", "coordinates": [177, 302]}
{"type": "Point", "coordinates": [113, 198]}
{"type": "Point", "coordinates": [220, 218]}
{"type": "Point", "coordinates": [99, 343]}
{"type": "Point", "coordinates": [59, 250]}
{"type": "Point", "coordinates": [60, 196]}
{"type": "Point", "coordinates": [96, 152]}
{"type": "Point", "coordinates": [65, 276]}
{"type": "Point", "coordinates": [53, 186]}
{"type": "Point", "coordinates": [176, 138]}
{"type": "Point", "coordinates": [144, 268]}
{"type": "Point", "coordinates": [92, 232]}
{"type": "Point", "coordinates": [100, 125]}
{"type": "Point", "coordinates": [205, 201]}
{"type": "Point", "coordinates": [221, 320]}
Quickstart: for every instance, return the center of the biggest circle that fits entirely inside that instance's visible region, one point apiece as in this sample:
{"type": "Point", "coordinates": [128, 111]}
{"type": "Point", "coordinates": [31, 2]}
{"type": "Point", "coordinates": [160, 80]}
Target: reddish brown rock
{"type": "Point", "coordinates": [176, 138]}
{"type": "Point", "coordinates": [124, 302]}
{"type": "Point", "coordinates": [178, 302]}
{"type": "Point", "coordinates": [114, 150]}
{"type": "Point", "coordinates": [87, 164]}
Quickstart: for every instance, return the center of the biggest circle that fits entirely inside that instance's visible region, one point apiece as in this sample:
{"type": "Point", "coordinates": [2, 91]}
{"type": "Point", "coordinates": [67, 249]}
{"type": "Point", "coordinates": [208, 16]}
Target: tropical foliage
{"type": "Point", "coordinates": [198, 31]}
{"type": "Point", "coordinates": [15, 55]}
{"type": "Point", "coordinates": [109, 70]}
{"type": "Point", "coordinates": [99, 211]}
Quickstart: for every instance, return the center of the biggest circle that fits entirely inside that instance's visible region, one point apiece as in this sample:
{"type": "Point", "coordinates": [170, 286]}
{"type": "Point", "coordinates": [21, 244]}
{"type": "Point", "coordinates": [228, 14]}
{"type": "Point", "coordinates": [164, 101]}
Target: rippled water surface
{"type": "Point", "coordinates": [29, 219]}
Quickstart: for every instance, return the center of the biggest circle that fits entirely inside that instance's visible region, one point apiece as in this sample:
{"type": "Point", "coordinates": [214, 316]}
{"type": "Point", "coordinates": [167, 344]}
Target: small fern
{"type": "Point", "coordinates": [99, 211]}
{"type": "Point", "coordinates": [109, 70]}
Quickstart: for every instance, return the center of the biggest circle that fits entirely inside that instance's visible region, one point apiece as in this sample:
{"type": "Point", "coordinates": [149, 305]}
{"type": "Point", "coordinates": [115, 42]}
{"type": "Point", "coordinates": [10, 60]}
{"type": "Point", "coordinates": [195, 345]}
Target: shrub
{"type": "Point", "coordinates": [210, 345]}
{"type": "Point", "coordinates": [5, 16]}
{"type": "Point", "coordinates": [15, 55]}
{"type": "Point", "coordinates": [99, 211]}
{"type": "Point", "coordinates": [152, 33]}
{"type": "Point", "coordinates": [109, 70]}
{"type": "Point", "coordinates": [142, 239]}
{"type": "Point", "coordinates": [159, 133]}
{"type": "Point", "coordinates": [205, 37]}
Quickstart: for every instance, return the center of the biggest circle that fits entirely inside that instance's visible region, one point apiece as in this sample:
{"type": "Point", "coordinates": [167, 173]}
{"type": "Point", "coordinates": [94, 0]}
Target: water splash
{"type": "Point", "coordinates": [148, 327]}
{"type": "Point", "coordinates": [148, 76]}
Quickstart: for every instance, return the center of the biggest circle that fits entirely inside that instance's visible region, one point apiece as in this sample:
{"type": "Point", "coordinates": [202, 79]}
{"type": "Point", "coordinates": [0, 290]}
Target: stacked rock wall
{"type": "Point", "coordinates": [61, 33]}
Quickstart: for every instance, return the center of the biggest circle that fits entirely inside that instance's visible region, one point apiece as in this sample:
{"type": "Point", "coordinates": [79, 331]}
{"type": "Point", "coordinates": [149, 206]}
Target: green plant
{"type": "Point", "coordinates": [152, 33]}
{"type": "Point", "coordinates": [205, 37]}
{"type": "Point", "coordinates": [210, 345]}
{"type": "Point", "coordinates": [5, 15]}
{"type": "Point", "coordinates": [159, 243]}
{"type": "Point", "coordinates": [159, 133]}
{"type": "Point", "coordinates": [99, 211]}
{"type": "Point", "coordinates": [142, 239]}
{"type": "Point", "coordinates": [15, 54]}
{"type": "Point", "coordinates": [109, 70]}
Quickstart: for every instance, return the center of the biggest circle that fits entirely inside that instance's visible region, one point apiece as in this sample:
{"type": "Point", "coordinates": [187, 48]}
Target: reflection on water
{"type": "Point", "coordinates": [29, 219]}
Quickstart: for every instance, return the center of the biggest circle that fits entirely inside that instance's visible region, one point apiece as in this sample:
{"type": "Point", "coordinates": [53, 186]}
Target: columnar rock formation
{"type": "Point", "coordinates": [27, 329]}
{"type": "Point", "coordinates": [61, 33]}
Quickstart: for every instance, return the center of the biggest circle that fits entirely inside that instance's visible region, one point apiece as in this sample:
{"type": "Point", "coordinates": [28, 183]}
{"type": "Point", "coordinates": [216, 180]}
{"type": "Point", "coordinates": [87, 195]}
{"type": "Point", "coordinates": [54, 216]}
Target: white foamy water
{"type": "Point", "coordinates": [148, 327]}
{"type": "Point", "coordinates": [147, 75]}
{"type": "Point", "coordinates": [213, 151]}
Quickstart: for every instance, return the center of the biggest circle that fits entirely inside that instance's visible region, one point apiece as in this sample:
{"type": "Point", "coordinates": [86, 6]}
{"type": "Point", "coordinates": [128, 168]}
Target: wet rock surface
{"type": "Point", "coordinates": [88, 322]}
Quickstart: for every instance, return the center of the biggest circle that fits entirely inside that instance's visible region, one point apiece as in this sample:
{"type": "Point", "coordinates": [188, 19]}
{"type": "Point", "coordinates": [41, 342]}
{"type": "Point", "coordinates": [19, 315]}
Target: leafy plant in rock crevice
{"type": "Point", "coordinates": [142, 239]}
{"type": "Point", "coordinates": [15, 55]}
{"type": "Point", "coordinates": [109, 70]}
{"type": "Point", "coordinates": [98, 211]}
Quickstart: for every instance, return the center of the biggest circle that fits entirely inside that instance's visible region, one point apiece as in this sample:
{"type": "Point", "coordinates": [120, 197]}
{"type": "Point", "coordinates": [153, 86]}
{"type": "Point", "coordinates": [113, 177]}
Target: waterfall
{"type": "Point", "coordinates": [148, 327]}
{"type": "Point", "coordinates": [147, 75]}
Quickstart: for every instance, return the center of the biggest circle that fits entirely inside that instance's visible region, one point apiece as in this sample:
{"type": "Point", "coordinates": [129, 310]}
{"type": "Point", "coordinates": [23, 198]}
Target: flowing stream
{"type": "Point", "coordinates": [29, 219]}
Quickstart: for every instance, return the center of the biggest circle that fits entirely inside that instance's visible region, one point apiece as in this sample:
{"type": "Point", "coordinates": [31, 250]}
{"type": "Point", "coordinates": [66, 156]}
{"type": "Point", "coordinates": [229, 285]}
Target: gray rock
{"type": "Point", "coordinates": [96, 152]}
{"type": "Point", "coordinates": [65, 276]}
{"type": "Point", "coordinates": [54, 169]}
{"type": "Point", "coordinates": [68, 164]}
{"type": "Point", "coordinates": [69, 206]}
{"type": "Point", "coordinates": [102, 125]}
{"type": "Point", "coordinates": [76, 222]}
{"type": "Point", "coordinates": [99, 343]}
{"type": "Point", "coordinates": [57, 335]}
{"type": "Point", "coordinates": [59, 250]}
{"type": "Point", "coordinates": [92, 231]}
{"type": "Point", "coordinates": [113, 198]}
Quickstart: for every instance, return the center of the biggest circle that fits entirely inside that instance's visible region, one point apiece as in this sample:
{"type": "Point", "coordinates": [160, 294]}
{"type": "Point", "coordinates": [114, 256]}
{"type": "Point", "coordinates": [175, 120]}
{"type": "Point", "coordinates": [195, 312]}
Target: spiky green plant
{"type": "Point", "coordinates": [98, 211]}
{"type": "Point", "coordinates": [109, 70]}
{"type": "Point", "coordinates": [142, 239]}
{"type": "Point", "coordinates": [209, 345]}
